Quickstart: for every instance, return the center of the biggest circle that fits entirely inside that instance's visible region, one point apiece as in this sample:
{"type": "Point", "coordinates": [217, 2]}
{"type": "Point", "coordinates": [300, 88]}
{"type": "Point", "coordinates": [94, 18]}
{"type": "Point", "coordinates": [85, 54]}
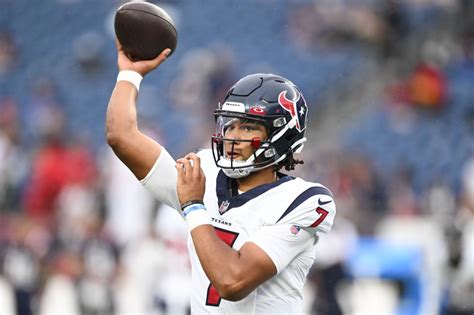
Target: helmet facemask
{"type": "Point", "coordinates": [264, 154]}
{"type": "Point", "coordinates": [221, 144]}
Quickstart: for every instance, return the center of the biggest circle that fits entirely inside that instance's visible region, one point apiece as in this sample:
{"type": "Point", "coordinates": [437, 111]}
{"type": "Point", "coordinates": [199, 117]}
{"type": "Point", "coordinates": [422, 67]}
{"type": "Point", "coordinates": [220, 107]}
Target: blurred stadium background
{"type": "Point", "coordinates": [390, 85]}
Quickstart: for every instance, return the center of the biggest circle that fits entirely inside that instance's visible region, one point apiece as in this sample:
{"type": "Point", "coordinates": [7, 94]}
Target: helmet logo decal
{"type": "Point", "coordinates": [257, 110]}
{"type": "Point", "coordinates": [290, 106]}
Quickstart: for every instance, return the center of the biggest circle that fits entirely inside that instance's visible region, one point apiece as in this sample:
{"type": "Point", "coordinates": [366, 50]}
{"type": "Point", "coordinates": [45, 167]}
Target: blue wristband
{"type": "Point", "coordinates": [193, 207]}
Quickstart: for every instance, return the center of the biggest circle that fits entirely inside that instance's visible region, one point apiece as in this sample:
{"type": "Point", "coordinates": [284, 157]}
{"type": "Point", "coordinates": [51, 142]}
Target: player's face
{"type": "Point", "coordinates": [241, 129]}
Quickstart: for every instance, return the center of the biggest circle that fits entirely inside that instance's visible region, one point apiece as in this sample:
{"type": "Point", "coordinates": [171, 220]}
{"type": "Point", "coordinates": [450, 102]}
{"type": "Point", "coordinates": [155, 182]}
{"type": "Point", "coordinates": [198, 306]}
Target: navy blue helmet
{"type": "Point", "coordinates": [270, 100]}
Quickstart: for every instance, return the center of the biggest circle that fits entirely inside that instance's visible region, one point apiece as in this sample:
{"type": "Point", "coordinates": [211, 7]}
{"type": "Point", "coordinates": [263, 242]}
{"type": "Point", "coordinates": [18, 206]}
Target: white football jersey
{"type": "Point", "coordinates": [282, 218]}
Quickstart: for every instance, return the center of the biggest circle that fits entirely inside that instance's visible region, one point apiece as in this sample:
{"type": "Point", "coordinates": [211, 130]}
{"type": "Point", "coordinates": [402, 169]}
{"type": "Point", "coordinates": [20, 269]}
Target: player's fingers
{"type": "Point", "coordinates": [196, 163]}
{"type": "Point", "coordinates": [182, 162]}
{"type": "Point", "coordinates": [165, 53]}
{"type": "Point", "coordinates": [187, 167]}
{"type": "Point", "coordinates": [161, 57]}
{"type": "Point", "coordinates": [146, 66]}
{"type": "Point", "coordinates": [180, 168]}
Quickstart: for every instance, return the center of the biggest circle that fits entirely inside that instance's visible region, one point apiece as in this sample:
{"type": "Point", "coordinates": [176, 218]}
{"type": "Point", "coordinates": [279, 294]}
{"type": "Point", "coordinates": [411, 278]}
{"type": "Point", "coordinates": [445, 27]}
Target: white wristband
{"type": "Point", "coordinates": [197, 218]}
{"type": "Point", "coordinates": [130, 76]}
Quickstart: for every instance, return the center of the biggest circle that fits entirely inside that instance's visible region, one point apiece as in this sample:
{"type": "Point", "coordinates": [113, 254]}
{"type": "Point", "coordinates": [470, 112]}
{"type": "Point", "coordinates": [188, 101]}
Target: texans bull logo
{"type": "Point", "coordinates": [291, 107]}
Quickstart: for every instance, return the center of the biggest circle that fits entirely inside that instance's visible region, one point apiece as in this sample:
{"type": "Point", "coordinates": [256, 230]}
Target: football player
{"type": "Point", "coordinates": [252, 228]}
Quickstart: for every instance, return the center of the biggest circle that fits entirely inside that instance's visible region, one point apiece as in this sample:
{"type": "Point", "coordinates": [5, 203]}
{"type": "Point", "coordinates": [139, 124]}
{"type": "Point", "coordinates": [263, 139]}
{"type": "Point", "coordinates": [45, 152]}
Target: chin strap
{"type": "Point", "coordinates": [236, 173]}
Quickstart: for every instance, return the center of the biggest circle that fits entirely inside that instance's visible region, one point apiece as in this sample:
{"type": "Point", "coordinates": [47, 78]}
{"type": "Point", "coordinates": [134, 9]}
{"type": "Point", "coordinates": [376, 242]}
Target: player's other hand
{"type": "Point", "coordinates": [191, 178]}
{"type": "Point", "coordinates": [143, 67]}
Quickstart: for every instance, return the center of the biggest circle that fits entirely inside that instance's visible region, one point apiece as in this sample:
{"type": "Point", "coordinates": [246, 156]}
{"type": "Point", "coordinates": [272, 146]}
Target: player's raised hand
{"type": "Point", "coordinates": [144, 66]}
{"type": "Point", "coordinates": [191, 178]}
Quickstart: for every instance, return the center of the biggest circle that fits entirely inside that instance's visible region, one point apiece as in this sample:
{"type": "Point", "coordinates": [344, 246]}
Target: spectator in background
{"type": "Point", "coordinates": [334, 250]}
{"type": "Point", "coordinates": [402, 201]}
{"type": "Point", "coordinates": [58, 295]}
{"type": "Point", "coordinates": [13, 159]}
{"type": "Point", "coordinates": [88, 50]}
{"type": "Point", "coordinates": [173, 288]}
{"type": "Point", "coordinates": [100, 257]}
{"type": "Point", "coordinates": [60, 160]}
{"type": "Point", "coordinates": [45, 117]}
{"type": "Point", "coordinates": [361, 191]}
{"type": "Point", "coordinates": [467, 45]}
{"type": "Point", "coordinates": [439, 202]}
{"type": "Point", "coordinates": [46, 180]}
{"type": "Point", "coordinates": [21, 264]}
{"type": "Point", "coordinates": [460, 239]}
{"type": "Point", "coordinates": [427, 86]}
{"type": "Point", "coordinates": [81, 244]}
{"type": "Point", "coordinates": [465, 15]}
{"type": "Point", "coordinates": [369, 193]}
{"type": "Point", "coordinates": [8, 52]}
{"type": "Point", "coordinates": [396, 29]}
{"type": "Point", "coordinates": [128, 205]}
{"type": "Point", "coordinates": [77, 202]}
{"type": "Point", "coordinates": [143, 270]}
{"type": "Point", "coordinates": [58, 163]}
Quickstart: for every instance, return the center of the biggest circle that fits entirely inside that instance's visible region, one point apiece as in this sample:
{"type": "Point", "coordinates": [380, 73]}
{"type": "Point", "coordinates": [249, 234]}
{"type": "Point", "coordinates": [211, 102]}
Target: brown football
{"type": "Point", "coordinates": [144, 30]}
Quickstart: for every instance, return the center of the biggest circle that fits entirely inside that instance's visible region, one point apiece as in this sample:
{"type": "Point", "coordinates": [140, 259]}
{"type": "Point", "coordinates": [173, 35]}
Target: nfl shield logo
{"type": "Point", "coordinates": [295, 229]}
{"type": "Point", "coordinates": [223, 207]}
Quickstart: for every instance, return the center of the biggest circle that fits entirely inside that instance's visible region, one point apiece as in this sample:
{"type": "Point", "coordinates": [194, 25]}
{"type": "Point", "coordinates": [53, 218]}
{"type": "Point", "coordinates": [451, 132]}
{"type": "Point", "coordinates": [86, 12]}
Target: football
{"type": "Point", "coordinates": [144, 30]}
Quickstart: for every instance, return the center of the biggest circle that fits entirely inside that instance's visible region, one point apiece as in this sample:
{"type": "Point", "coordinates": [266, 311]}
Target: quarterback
{"type": "Point", "coordinates": [253, 229]}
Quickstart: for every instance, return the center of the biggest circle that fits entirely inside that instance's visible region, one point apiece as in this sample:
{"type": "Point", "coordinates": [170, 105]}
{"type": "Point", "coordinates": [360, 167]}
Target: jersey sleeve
{"type": "Point", "coordinates": [161, 180]}
{"type": "Point", "coordinates": [282, 242]}
{"type": "Point", "coordinates": [310, 213]}
{"type": "Point", "coordinates": [314, 210]}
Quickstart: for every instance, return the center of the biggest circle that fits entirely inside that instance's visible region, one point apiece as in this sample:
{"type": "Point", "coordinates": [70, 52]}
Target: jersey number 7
{"type": "Point", "coordinates": [322, 215]}
{"type": "Point", "coordinates": [213, 298]}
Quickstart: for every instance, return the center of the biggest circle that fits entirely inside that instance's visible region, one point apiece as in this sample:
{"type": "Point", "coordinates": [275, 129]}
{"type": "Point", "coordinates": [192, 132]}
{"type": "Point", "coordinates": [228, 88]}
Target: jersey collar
{"type": "Point", "coordinates": [228, 196]}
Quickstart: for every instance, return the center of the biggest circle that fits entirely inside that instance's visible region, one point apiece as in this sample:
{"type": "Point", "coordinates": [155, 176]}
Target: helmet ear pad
{"type": "Point", "coordinates": [283, 144]}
